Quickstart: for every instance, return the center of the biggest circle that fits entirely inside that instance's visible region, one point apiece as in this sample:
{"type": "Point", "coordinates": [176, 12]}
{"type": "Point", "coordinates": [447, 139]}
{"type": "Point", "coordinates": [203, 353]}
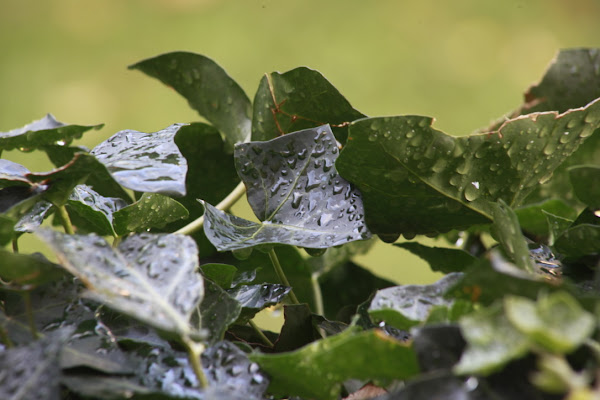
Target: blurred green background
{"type": "Point", "coordinates": [464, 62]}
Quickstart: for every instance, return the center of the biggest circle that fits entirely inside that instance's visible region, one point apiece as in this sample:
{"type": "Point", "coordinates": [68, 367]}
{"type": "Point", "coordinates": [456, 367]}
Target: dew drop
{"type": "Point", "coordinates": [549, 148]}
{"type": "Point", "coordinates": [372, 136]}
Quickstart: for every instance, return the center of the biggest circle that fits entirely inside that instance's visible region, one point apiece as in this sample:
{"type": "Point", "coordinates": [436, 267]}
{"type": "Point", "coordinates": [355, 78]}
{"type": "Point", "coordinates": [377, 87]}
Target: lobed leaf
{"type": "Point", "coordinates": [294, 189]}
{"type": "Point", "coordinates": [91, 212]}
{"type": "Point", "coordinates": [299, 99]}
{"type": "Point", "coordinates": [207, 88]}
{"type": "Point", "coordinates": [145, 162]}
{"type": "Point", "coordinates": [152, 278]}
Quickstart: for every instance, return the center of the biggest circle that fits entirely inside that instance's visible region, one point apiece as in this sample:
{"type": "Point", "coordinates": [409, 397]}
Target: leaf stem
{"type": "Point", "coordinates": [4, 338]}
{"type": "Point", "coordinates": [261, 334]}
{"type": "Point", "coordinates": [29, 313]}
{"type": "Point", "coordinates": [66, 221]}
{"type": "Point", "coordinates": [194, 350]}
{"type": "Point", "coordinates": [225, 204]}
{"type": "Point", "coordinates": [281, 275]}
{"type": "Point", "coordinates": [318, 295]}
{"type": "Point", "coordinates": [15, 245]}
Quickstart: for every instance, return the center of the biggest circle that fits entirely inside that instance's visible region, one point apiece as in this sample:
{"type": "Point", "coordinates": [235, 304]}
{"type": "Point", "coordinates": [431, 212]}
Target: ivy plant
{"type": "Point", "coordinates": [153, 283]}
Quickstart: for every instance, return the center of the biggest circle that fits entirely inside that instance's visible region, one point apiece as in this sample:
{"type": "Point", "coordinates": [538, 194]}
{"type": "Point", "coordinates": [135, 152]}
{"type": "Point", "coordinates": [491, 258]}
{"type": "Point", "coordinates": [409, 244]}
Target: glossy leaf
{"type": "Point", "coordinates": [150, 277]}
{"type": "Point", "coordinates": [91, 212]}
{"type": "Point", "coordinates": [43, 132]}
{"type": "Point", "coordinates": [34, 217]}
{"type": "Point", "coordinates": [492, 341]}
{"type": "Point", "coordinates": [24, 271]}
{"type": "Point", "coordinates": [207, 88]}
{"type": "Point", "coordinates": [407, 305]}
{"type": "Point", "coordinates": [586, 184]}
{"type": "Point", "coordinates": [145, 162]}
{"type": "Point", "coordinates": [254, 298]}
{"type": "Point", "coordinates": [299, 99]}
{"type": "Point", "coordinates": [218, 311]}
{"type": "Point", "coordinates": [150, 211]}
{"type": "Point", "coordinates": [327, 363]}
{"type": "Point", "coordinates": [415, 179]}
{"type": "Point", "coordinates": [294, 189]}
{"type": "Point", "coordinates": [507, 231]}
{"type": "Point", "coordinates": [13, 174]}
{"type": "Point", "coordinates": [440, 259]}
{"type": "Point", "coordinates": [556, 226]}
{"type": "Point", "coordinates": [556, 322]}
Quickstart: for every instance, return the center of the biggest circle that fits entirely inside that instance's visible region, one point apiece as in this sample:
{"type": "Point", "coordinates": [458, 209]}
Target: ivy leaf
{"type": "Point", "coordinates": [150, 211]}
{"type": "Point", "coordinates": [13, 174]}
{"type": "Point", "coordinates": [579, 240]}
{"type": "Point", "coordinates": [438, 346]}
{"type": "Point", "coordinates": [254, 298]}
{"type": "Point", "coordinates": [152, 278]}
{"type": "Point", "coordinates": [43, 132]}
{"type": "Point", "coordinates": [30, 372]}
{"type": "Point", "coordinates": [507, 231]}
{"type": "Point", "coordinates": [207, 88]}
{"type": "Point", "coordinates": [440, 259]}
{"type": "Point", "coordinates": [221, 274]}
{"type": "Point", "coordinates": [26, 271]}
{"type": "Point", "coordinates": [299, 99]}
{"type": "Point", "coordinates": [145, 162]}
{"type": "Point", "coordinates": [218, 311]}
{"type": "Point", "coordinates": [532, 217]}
{"type": "Point", "coordinates": [327, 363]}
{"type": "Point", "coordinates": [34, 217]}
{"type": "Point", "coordinates": [294, 189]}
{"type": "Point", "coordinates": [586, 184]}
{"type": "Point", "coordinates": [407, 305]}
{"type": "Point", "coordinates": [91, 212]}
{"type": "Point", "coordinates": [417, 180]}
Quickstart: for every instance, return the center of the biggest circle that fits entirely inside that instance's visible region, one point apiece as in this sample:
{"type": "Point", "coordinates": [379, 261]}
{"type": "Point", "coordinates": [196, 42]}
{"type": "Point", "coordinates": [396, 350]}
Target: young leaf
{"type": "Point", "coordinates": [440, 259]}
{"type": "Point", "coordinates": [30, 372]}
{"type": "Point", "coordinates": [43, 132]}
{"type": "Point", "coordinates": [319, 369]}
{"type": "Point", "coordinates": [152, 278]}
{"type": "Point", "coordinates": [207, 88]}
{"type": "Point", "coordinates": [407, 305]}
{"type": "Point", "coordinates": [415, 179]}
{"type": "Point", "coordinates": [294, 189]}
{"type": "Point", "coordinates": [91, 212]}
{"type": "Point", "coordinates": [299, 99]}
{"type": "Point", "coordinates": [150, 211]}
{"type": "Point", "coordinates": [145, 162]}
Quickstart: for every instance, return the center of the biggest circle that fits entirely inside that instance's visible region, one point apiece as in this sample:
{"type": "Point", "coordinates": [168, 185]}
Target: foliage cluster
{"type": "Point", "coordinates": [157, 284]}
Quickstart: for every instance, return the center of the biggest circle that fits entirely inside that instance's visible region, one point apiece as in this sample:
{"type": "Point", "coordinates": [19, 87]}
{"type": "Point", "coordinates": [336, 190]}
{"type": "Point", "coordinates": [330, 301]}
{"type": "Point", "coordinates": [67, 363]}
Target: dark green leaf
{"type": "Point", "coordinates": [145, 162]}
{"type": "Point", "coordinates": [30, 372]}
{"type": "Point", "coordinates": [297, 330]}
{"type": "Point", "coordinates": [41, 133]}
{"type": "Point", "coordinates": [556, 321]}
{"type": "Point", "coordinates": [415, 179]}
{"type": "Point", "coordinates": [532, 218]}
{"type": "Point", "coordinates": [299, 99]}
{"type": "Point", "coordinates": [150, 211]}
{"type": "Point", "coordinates": [492, 341]}
{"type": "Point", "coordinates": [207, 88]}
{"type": "Point", "coordinates": [218, 311]}
{"type": "Point", "coordinates": [440, 259]}
{"type": "Point", "coordinates": [327, 363]}
{"type": "Point", "coordinates": [507, 231]}
{"type": "Point", "coordinates": [295, 191]}
{"type": "Point", "coordinates": [445, 386]}
{"type": "Point", "coordinates": [254, 298]}
{"type": "Point", "coordinates": [338, 256]}
{"type": "Point", "coordinates": [91, 212]}
{"type": "Point", "coordinates": [438, 347]}
{"type": "Point", "coordinates": [24, 271]}
{"type": "Point", "coordinates": [152, 278]}
{"type": "Point", "coordinates": [110, 388]}
{"type": "Point", "coordinates": [221, 274]}
{"type": "Point", "coordinates": [586, 183]}
{"type": "Point", "coordinates": [579, 240]}
{"type": "Point", "coordinates": [126, 330]}
{"type": "Point", "coordinates": [407, 305]}
{"type": "Point", "coordinates": [556, 226]}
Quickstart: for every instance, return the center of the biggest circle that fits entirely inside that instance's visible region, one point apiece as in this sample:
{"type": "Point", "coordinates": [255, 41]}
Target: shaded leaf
{"type": "Point", "coordinates": [93, 352]}
{"type": "Point", "coordinates": [338, 256]}
{"type": "Point", "coordinates": [556, 322]}
{"type": "Point", "coordinates": [579, 240]}
{"type": "Point", "coordinates": [415, 179]}
{"type": "Point", "coordinates": [299, 99]}
{"type": "Point", "coordinates": [145, 162]}
{"type": "Point", "coordinates": [438, 347]}
{"type": "Point", "coordinates": [150, 211]}
{"type": "Point", "coordinates": [329, 362]}
{"type": "Point", "coordinates": [254, 298]}
{"type": "Point", "coordinates": [440, 259]}
{"type": "Point", "coordinates": [91, 212]}
{"type": "Point", "coordinates": [221, 274]}
{"type": "Point", "coordinates": [532, 217]}
{"type": "Point", "coordinates": [13, 174]}
{"type": "Point", "coordinates": [43, 132]}
{"type": "Point", "coordinates": [294, 189]}
{"type": "Point", "coordinates": [297, 330]}
{"type": "Point", "coordinates": [207, 88]}
{"type": "Point", "coordinates": [24, 271]}
{"type": "Point", "coordinates": [446, 386]}
{"type": "Point", "coordinates": [109, 388]}
{"type": "Point", "coordinates": [586, 184]}
{"type": "Point", "coordinates": [152, 278]}
{"type": "Point", "coordinates": [30, 372]}
{"type": "Point", "coordinates": [218, 311]}
{"type": "Point", "coordinates": [407, 305]}
{"type": "Point", "coordinates": [556, 226]}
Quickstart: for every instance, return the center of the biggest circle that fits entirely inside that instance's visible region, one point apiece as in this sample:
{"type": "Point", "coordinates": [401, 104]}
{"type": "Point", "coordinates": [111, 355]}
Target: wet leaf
{"type": "Point", "coordinates": [532, 218]}
{"type": "Point", "coordinates": [446, 386]}
{"type": "Point", "coordinates": [25, 271]}
{"type": "Point", "coordinates": [221, 274]}
{"type": "Point", "coordinates": [556, 226]}
{"type": "Point", "coordinates": [207, 88]}
{"type": "Point", "coordinates": [94, 352]}
{"type": "Point", "coordinates": [329, 362]}
{"type": "Point", "coordinates": [417, 180]}
{"type": "Point", "coordinates": [407, 305]}
{"type": "Point", "coordinates": [34, 217]}
{"type": "Point", "coordinates": [299, 99]}
{"type": "Point", "coordinates": [492, 341]}
{"type": "Point", "coordinates": [294, 189]}
{"type": "Point", "coordinates": [438, 347]}
{"type": "Point", "coordinates": [91, 212]}
{"type": "Point", "coordinates": [30, 372]}
{"type": "Point", "coordinates": [440, 259]}
{"type": "Point", "coordinates": [150, 211]}
{"type": "Point", "coordinates": [297, 330]}
{"type": "Point", "coordinates": [43, 132]}
{"type": "Point", "coordinates": [579, 240]}
{"type": "Point", "coordinates": [556, 321]}
{"type": "Point", "coordinates": [586, 184]}
{"type": "Point", "coordinates": [338, 256]}
{"type": "Point", "coordinates": [254, 298]}
{"type": "Point", "coordinates": [218, 311]}
{"type": "Point", "coordinates": [145, 162]}
{"type": "Point", "coordinates": [152, 278]}
{"type": "Point", "coordinates": [13, 174]}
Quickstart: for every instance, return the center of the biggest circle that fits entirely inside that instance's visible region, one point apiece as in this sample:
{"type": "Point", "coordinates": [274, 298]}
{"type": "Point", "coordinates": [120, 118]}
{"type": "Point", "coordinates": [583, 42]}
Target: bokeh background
{"type": "Point", "coordinates": [464, 62]}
